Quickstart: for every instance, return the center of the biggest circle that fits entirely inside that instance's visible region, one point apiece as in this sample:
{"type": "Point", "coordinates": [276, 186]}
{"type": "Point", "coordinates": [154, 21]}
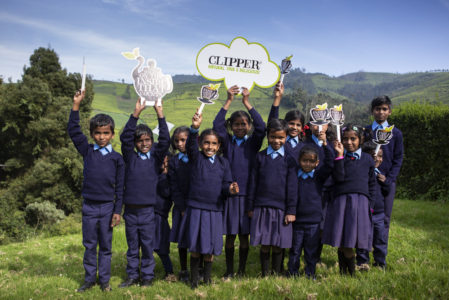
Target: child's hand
{"type": "Point", "coordinates": [196, 120]}
{"type": "Point", "coordinates": [234, 188]}
{"type": "Point", "coordinates": [159, 111]}
{"type": "Point", "coordinates": [289, 219]}
{"type": "Point", "coordinates": [183, 213]}
{"type": "Point", "coordinates": [279, 90]}
{"type": "Point", "coordinates": [338, 146]}
{"type": "Point", "coordinates": [232, 91]}
{"type": "Point", "coordinates": [79, 96]}
{"type": "Point", "coordinates": [381, 177]}
{"type": "Point", "coordinates": [138, 109]}
{"type": "Point", "coordinates": [250, 214]}
{"type": "Point", "coordinates": [245, 94]}
{"type": "Point", "coordinates": [115, 220]}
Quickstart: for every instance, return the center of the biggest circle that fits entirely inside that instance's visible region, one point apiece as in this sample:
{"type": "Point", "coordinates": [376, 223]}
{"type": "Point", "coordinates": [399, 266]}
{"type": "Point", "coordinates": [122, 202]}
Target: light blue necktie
{"type": "Point", "coordinates": [212, 159]}
{"type": "Point", "coordinates": [144, 156]}
{"type": "Point", "coordinates": [293, 142]}
{"type": "Point", "coordinates": [183, 157]}
{"type": "Point", "coordinates": [103, 150]}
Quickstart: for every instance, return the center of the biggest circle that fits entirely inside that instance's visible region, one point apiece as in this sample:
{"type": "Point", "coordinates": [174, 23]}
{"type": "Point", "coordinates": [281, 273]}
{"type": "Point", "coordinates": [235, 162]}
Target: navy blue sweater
{"type": "Point", "coordinates": [381, 191]}
{"type": "Point", "coordinates": [179, 176]}
{"type": "Point", "coordinates": [393, 154]}
{"type": "Point", "coordinates": [241, 158]}
{"type": "Point", "coordinates": [294, 152]}
{"type": "Point", "coordinates": [309, 208]}
{"type": "Point", "coordinates": [273, 183]}
{"type": "Point", "coordinates": [141, 176]}
{"type": "Point", "coordinates": [355, 176]}
{"type": "Point", "coordinates": [163, 201]}
{"type": "Point", "coordinates": [103, 174]}
{"type": "Point", "coordinates": [209, 182]}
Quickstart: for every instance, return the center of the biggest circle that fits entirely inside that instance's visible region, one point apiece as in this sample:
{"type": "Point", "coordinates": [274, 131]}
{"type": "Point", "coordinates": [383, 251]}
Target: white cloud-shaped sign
{"type": "Point", "coordinates": [241, 63]}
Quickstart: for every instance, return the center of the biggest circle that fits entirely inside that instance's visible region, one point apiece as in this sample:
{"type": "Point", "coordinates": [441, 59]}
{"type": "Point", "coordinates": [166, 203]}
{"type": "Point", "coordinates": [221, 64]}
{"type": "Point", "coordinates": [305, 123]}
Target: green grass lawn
{"type": "Point", "coordinates": [418, 267]}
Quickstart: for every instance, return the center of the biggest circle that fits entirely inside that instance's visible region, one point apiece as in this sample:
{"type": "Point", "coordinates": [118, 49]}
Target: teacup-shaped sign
{"type": "Point", "coordinates": [337, 115]}
{"type": "Point", "coordinates": [209, 93]}
{"type": "Point", "coordinates": [320, 115]}
{"type": "Point", "coordinates": [383, 136]}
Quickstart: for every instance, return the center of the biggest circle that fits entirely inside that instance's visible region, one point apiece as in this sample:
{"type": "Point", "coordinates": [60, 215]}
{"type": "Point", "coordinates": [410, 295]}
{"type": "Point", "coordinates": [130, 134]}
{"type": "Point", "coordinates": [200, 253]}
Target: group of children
{"type": "Point", "coordinates": [304, 190]}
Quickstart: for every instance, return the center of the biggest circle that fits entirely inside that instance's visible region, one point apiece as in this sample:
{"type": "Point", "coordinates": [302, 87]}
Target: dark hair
{"type": "Point", "coordinates": [308, 149]}
{"type": "Point", "coordinates": [177, 131]}
{"type": "Point", "coordinates": [359, 130]}
{"type": "Point", "coordinates": [294, 115]}
{"type": "Point", "coordinates": [369, 147]}
{"type": "Point", "coordinates": [381, 100]}
{"type": "Point", "coordinates": [277, 125]}
{"type": "Point", "coordinates": [101, 120]}
{"type": "Point", "coordinates": [142, 129]}
{"type": "Point", "coordinates": [235, 115]}
{"type": "Point", "coordinates": [308, 131]}
{"type": "Point", "coordinates": [210, 131]}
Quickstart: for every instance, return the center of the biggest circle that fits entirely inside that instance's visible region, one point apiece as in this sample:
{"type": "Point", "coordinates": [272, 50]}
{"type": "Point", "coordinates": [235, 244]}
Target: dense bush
{"type": "Point", "coordinates": [425, 170]}
{"type": "Point", "coordinates": [39, 214]}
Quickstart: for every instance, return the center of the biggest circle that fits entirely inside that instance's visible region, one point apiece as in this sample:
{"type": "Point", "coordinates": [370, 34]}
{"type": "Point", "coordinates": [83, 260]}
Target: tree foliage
{"type": "Point", "coordinates": [39, 161]}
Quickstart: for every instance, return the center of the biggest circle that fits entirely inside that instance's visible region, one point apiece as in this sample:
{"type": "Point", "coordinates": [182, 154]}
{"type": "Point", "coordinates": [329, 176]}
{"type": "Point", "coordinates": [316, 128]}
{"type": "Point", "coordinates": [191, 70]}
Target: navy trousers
{"type": "Point", "coordinates": [379, 243]}
{"type": "Point", "coordinates": [140, 227]}
{"type": "Point", "coordinates": [307, 237]}
{"type": "Point", "coordinates": [389, 208]}
{"type": "Point", "coordinates": [97, 231]}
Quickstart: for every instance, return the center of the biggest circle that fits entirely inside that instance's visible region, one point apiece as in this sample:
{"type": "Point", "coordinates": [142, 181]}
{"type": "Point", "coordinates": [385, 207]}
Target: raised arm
{"type": "Point", "coordinates": [259, 130]}
{"type": "Point", "coordinates": [278, 93]}
{"type": "Point", "coordinates": [192, 141]}
{"type": "Point", "coordinates": [74, 128]}
{"type": "Point", "coordinates": [339, 164]}
{"type": "Point", "coordinates": [161, 148]}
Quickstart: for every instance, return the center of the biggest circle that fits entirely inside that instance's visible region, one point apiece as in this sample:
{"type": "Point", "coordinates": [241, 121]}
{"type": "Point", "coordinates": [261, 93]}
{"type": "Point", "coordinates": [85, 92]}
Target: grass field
{"type": "Point", "coordinates": [418, 267]}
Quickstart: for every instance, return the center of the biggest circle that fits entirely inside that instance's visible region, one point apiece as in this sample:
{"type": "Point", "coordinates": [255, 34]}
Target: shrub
{"type": "Point", "coordinates": [44, 213]}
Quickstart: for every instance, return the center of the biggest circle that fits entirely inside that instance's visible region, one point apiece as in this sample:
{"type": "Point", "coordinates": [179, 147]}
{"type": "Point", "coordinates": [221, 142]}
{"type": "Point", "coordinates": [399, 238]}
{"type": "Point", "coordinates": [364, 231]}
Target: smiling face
{"type": "Point", "coordinates": [240, 127]}
{"type": "Point", "coordinates": [294, 127]}
{"type": "Point", "coordinates": [381, 113]}
{"type": "Point", "coordinates": [377, 158]}
{"type": "Point", "coordinates": [276, 139]}
{"type": "Point", "coordinates": [180, 141]}
{"type": "Point", "coordinates": [210, 145]}
{"type": "Point", "coordinates": [144, 143]}
{"type": "Point", "coordinates": [102, 135]}
{"type": "Point", "coordinates": [350, 141]}
{"type": "Point", "coordinates": [308, 162]}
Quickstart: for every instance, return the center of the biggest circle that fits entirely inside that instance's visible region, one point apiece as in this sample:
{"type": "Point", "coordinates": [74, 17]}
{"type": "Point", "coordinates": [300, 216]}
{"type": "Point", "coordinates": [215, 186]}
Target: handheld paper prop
{"type": "Point", "coordinates": [338, 118]}
{"type": "Point", "coordinates": [208, 93]}
{"type": "Point", "coordinates": [241, 63]}
{"type": "Point", "coordinates": [320, 115]}
{"type": "Point", "coordinates": [149, 82]}
{"type": "Point", "coordinates": [383, 137]}
{"type": "Point", "coordinates": [286, 65]}
{"type": "Point", "coordinates": [83, 80]}
{"type": "Point", "coordinates": [169, 125]}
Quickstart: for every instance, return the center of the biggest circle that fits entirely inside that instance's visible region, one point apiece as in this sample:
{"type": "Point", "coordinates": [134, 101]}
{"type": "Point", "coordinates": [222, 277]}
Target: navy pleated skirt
{"type": "Point", "coordinates": [236, 220]}
{"type": "Point", "coordinates": [268, 228]}
{"type": "Point", "coordinates": [348, 222]}
{"type": "Point", "coordinates": [162, 235]}
{"type": "Point", "coordinates": [201, 231]}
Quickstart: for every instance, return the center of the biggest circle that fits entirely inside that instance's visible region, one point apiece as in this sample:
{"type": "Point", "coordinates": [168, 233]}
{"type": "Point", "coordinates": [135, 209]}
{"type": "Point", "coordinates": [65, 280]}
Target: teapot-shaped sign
{"type": "Point", "coordinates": [320, 115]}
{"type": "Point", "coordinates": [208, 93]}
{"type": "Point", "coordinates": [149, 82]}
{"type": "Point", "coordinates": [383, 136]}
{"type": "Point", "coordinates": [337, 115]}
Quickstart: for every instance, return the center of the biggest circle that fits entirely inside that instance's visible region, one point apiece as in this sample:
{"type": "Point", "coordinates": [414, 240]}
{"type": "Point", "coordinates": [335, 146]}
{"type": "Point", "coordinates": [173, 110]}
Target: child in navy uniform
{"type": "Point", "coordinates": [240, 149]}
{"type": "Point", "coordinates": [141, 179]}
{"type": "Point", "coordinates": [162, 232]}
{"type": "Point", "coordinates": [210, 182]}
{"type": "Point", "coordinates": [348, 219]}
{"type": "Point", "coordinates": [179, 174]}
{"type": "Point", "coordinates": [102, 191]}
{"type": "Point", "coordinates": [272, 197]}
{"type": "Point", "coordinates": [295, 120]}
{"type": "Point", "coordinates": [382, 190]}
{"type": "Point", "coordinates": [393, 152]}
{"type": "Point", "coordinates": [306, 228]}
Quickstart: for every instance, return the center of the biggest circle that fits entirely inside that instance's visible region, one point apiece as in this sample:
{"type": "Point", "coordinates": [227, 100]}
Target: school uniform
{"type": "Point", "coordinates": [348, 219]}
{"type": "Point", "coordinates": [273, 194]}
{"type": "Point", "coordinates": [378, 229]}
{"type": "Point", "coordinates": [240, 154]}
{"type": "Point", "coordinates": [292, 145]}
{"type": "Point", "coordinates": [178, 174]}
{"type": "Point", "coordinates": [201, 228]}
{"type": "Point", "coordinates": [306, 228]}
{"type": "Point", "coordinates": [393, 155]}
{"type": "Point", "coordinates": [141, 179]}
{"type": "Point", "coordinates": [102, 191]}
{"type": "Point", "coordinates": [162, 228]}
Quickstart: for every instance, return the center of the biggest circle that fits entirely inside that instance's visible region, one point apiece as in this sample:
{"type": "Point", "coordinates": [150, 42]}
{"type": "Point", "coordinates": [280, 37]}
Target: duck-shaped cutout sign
{"type": "Point", "coordinates": [149, 82]}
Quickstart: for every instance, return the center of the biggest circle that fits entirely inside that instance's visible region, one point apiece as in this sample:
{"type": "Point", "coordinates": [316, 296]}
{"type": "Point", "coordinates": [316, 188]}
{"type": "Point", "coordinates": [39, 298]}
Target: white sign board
{"type": "Point", "coordinates": [241, 63]}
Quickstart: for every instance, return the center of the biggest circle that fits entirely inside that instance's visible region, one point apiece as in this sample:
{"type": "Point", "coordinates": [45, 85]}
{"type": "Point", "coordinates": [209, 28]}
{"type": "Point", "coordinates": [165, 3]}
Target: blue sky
{"type": "Point", "coordinates": [334, 37]}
